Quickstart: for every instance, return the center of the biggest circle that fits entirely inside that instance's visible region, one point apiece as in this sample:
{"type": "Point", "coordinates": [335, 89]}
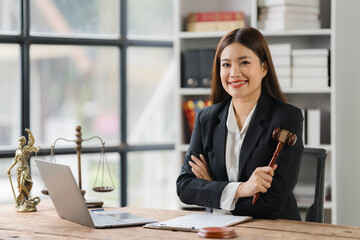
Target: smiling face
{"type": "Point", "coordinates": [241, 72]}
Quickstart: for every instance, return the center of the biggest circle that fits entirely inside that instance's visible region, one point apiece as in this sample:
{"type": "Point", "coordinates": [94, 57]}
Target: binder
{"type": "Point", "coordinates": [191, 69]}
{"type": "Point", "coordinates": [206, 57]}
{"type": "Point", "coordinates": [197, 67]}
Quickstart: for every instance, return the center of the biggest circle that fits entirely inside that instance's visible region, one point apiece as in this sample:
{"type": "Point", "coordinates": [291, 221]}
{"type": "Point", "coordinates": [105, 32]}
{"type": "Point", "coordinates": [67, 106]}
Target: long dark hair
{"type": "Point", "coordinates": [254, 40]}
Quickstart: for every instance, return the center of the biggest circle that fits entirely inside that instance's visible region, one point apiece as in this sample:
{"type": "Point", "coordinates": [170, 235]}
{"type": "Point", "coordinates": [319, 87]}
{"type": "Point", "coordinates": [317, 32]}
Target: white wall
{"type": "Point", "coordinates": [347, 104]}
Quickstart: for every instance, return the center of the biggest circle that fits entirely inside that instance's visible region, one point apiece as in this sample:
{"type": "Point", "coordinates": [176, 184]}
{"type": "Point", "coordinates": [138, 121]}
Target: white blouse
{"type": "Point", "coordinates": [234, 142]}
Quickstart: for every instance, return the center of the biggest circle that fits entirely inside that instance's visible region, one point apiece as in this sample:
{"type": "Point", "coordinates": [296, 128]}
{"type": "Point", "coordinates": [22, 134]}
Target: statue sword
{"type": "Point", "coordinates": [12, 187]}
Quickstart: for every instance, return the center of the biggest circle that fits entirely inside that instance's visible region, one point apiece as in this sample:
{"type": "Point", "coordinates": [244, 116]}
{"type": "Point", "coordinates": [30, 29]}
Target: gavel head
{"type": "Point", "coordinates": [284, 136]}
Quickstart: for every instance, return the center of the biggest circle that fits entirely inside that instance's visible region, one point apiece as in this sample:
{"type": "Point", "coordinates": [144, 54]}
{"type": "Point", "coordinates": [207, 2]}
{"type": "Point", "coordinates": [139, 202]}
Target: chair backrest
{"type": "Point", "coordinates": [311, 183]}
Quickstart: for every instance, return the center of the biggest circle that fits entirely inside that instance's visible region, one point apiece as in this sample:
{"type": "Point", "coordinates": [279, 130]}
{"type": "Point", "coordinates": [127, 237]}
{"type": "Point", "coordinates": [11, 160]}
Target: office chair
{"type": "Point", "coordinates": [312, 170]}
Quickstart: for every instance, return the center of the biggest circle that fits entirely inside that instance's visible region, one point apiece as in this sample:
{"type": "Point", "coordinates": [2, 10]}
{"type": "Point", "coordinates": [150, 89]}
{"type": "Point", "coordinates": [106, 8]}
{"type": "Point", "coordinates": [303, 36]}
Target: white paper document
{"type": "Point", "coordinates": [196, 221]}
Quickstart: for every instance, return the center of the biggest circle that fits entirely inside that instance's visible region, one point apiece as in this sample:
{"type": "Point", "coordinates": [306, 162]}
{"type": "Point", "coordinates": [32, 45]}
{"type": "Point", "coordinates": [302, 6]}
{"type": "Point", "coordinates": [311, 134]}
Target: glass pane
{"type": "Point", "coordinates": [70, 86]}
{"type": "Point", "coordinates": [151, 89]}
{"type": "Point", "coordinates": [150, 18]}
{"type": "Point", "coordinates": [9, 95]}
{"type": "Point", "coordinates": [151, 179]}
{"type": "Point", "coordinates": [89, 170]}
{"type": "Point", "coordinates": [74, 18]}
{"type": "Point", "coordinates": [7, 195]}
{"type": "Point", "coordinates": [9, 17]}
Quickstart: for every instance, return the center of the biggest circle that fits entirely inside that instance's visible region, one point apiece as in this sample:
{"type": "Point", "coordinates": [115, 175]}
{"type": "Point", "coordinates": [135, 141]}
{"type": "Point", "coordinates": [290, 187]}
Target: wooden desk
{"type": "Point", "coordinates": [45, 224]}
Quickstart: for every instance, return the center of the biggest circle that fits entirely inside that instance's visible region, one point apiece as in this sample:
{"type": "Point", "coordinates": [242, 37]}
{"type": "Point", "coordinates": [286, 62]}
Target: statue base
{"type": "Point", "coordinates": [28, 205]}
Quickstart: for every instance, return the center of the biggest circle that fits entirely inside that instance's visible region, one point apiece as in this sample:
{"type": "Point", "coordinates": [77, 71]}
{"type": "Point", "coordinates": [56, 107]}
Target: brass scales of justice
{"type": "Point", "coordinates": [103, 161]}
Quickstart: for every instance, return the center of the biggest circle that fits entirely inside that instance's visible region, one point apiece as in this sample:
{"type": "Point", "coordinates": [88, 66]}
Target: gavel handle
{"type": "Point", "coordinates": [271, 164]}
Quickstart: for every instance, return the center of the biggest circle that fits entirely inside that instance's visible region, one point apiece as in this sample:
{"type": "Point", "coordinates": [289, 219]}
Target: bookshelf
{"type": "Point", "coordinates": [303, 97]}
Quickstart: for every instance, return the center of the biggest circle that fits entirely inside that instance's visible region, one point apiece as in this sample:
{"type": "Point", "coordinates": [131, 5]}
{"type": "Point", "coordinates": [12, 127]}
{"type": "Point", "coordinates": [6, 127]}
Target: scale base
{"type": "Point", "coordinates": [94, 203]}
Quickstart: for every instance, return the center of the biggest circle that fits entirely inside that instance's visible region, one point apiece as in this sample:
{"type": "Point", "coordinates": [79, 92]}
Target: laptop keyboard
{"type": "Point", "coordinates": [101, 220]}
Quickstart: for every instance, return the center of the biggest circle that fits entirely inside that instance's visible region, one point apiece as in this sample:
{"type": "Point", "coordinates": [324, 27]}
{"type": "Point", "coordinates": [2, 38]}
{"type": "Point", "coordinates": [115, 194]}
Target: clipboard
{"type": "Point", "coordinates": [195, 221]}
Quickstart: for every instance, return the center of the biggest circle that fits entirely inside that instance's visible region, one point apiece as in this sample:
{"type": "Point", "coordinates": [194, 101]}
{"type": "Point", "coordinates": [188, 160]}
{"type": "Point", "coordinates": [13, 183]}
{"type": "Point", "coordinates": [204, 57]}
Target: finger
{"type": "Point", "coordinates": [202, 158]}
{"type": "Point", "coordinates": [198, 161]}
{"type": "Point", "coordinates": [268, 170]}
{"type": "Point", "coordinates": [198, 169]}
{"type": "Point", "coordinates": [194, 170]}
{"type": "Point", "coordinates": [266, 184]}
{"type": "Point", "coordinates": [196, 173]}
{"type": "Point", "coordinates": [266, 178]}
{"type": "Point", "coordinates": [275, 167]}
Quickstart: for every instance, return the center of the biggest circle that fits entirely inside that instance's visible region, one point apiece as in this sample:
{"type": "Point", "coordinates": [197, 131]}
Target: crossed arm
{"type": "Point", "coordinates": [259, 181]}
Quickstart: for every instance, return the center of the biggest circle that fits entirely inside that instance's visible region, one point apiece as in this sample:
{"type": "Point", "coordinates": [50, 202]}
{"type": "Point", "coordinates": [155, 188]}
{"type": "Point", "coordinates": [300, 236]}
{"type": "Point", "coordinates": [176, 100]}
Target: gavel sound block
{"type": "Point", "coordinates": [284, 137]}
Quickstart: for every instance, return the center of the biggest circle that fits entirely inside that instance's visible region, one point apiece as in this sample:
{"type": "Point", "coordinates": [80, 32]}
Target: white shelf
{"type": "Point", "coordinates": [194, 91]}
{"type": "Point", "coordinates": [327, 147]}
{"type": "Point", "coordinates": [206, 91]}
{"type": "Point", "coordinates": [303, 97]}
{"type": "Point", "coordinates": [306, 90]}
{"type": "Point", "coordinates": [266, 33]}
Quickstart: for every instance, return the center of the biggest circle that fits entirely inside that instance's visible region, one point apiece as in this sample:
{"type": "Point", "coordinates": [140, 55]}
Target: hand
{"type": "Point", "coordinates": [200, 168]}
{"type": "Point", "coordinates": [259, 181]}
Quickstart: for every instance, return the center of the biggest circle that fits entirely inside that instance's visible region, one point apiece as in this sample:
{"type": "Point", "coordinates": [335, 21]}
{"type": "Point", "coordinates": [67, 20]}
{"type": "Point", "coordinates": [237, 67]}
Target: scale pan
{"type": "Point", "coordinates": [103, 189]}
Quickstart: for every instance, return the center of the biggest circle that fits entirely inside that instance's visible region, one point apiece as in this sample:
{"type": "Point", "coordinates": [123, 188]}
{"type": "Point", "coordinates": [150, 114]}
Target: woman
{"type": "Point", "coordinates": [231, 144]}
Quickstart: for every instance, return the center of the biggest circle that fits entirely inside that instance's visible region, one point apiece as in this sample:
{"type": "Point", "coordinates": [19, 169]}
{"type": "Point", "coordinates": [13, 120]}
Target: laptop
{"type": "Point", "coordinates": [70, 204]}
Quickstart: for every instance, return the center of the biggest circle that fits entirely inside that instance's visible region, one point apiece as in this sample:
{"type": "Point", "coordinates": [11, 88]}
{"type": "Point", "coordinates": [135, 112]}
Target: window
{"type": "Point", "coordinates": [97, 64]}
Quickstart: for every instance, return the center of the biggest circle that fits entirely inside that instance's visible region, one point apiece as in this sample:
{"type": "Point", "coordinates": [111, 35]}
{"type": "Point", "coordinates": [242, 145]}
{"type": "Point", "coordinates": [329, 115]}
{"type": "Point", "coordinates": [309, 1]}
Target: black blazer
{"type": "Point", "coordinates": [209, 139]}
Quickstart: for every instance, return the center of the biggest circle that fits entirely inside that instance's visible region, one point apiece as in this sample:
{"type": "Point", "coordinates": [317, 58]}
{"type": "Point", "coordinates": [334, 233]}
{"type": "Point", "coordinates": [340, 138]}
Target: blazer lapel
{"type": "Point", "coordinates": [254, 131]}
{"type": "Point", "coordinates": [219, 139]}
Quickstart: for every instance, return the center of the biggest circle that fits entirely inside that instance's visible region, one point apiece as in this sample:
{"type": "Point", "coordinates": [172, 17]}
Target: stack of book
{"type": "Point", "coordinates": [214, 21]}
{"type": "Point", "coordinates": [289, 14]}
{"type": "Point", "coordinates": [191, 108]}
{"type": "Point", "coordinates": [281, 56]}
{"type": "Point", "coordinates": [310, 67]}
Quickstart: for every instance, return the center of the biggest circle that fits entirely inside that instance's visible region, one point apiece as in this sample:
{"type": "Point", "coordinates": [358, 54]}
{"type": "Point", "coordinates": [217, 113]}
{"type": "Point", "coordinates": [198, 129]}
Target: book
{"type": "Point", "coordinates": [288, 16]}
{"type": "Point", "coordinates": [215, 16]}
{"type": "Point", "coordinates": [266, 3]}
{"type": "Point", "coordinates": [284, 81]}
{"type": "Point", "coordinates": [276, 24]}
{"type": "Point", "coordinates": [195, 221]}
{"type": "Point", "coordinates": [313, 126]}
{"type": "Point", "coordinates": [310, 52]}
{"type": "Point", "coordinates": [281, 60]}
{"type": "Point", "coordinates": [283, 71]}
{"type": "Point", "coordinates": [280, 49]}
{"type": "Point", "coordinates": [299, 9]}
{"type": "Point", "coordinates": [310, 71]}
{"type": "Point", "coordinates": [310, 61]}
{"type": "Point", "coordinates": [190, 114]}
{"type": "Point", "coordinates": [214, 21]}
{"type": "Point", "coordinates": [191, 108]}
{"type": "Point", "coordinates": [321, 82]}
{"type": "Point", "coordinates": [215, 26]}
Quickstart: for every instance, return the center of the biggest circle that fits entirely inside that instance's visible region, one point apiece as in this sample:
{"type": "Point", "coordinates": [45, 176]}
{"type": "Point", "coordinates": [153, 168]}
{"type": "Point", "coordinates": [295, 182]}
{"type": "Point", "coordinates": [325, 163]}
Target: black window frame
{"type": "Point", "coordinates": [122, 43]}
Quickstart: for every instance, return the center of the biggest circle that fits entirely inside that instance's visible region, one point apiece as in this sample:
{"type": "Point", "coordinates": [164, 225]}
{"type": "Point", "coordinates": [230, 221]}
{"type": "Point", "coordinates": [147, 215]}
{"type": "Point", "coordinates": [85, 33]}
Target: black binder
{"type": "Point", "coordinates": [206, 57]}
{"type": "Point", "coordinates": [191, 69]}
{"type": "Point", "coordinates": [197, 66]}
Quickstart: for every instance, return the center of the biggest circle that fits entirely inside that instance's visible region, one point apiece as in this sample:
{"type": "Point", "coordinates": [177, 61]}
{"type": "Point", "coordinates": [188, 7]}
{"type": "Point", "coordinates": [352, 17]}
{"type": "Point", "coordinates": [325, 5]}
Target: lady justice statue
{"type": "Point", "coordinates": [24, 202]}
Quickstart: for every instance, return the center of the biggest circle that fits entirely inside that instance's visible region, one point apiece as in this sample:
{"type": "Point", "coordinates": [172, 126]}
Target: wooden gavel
{"type": "Point", "coordinates": [283, 136]}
